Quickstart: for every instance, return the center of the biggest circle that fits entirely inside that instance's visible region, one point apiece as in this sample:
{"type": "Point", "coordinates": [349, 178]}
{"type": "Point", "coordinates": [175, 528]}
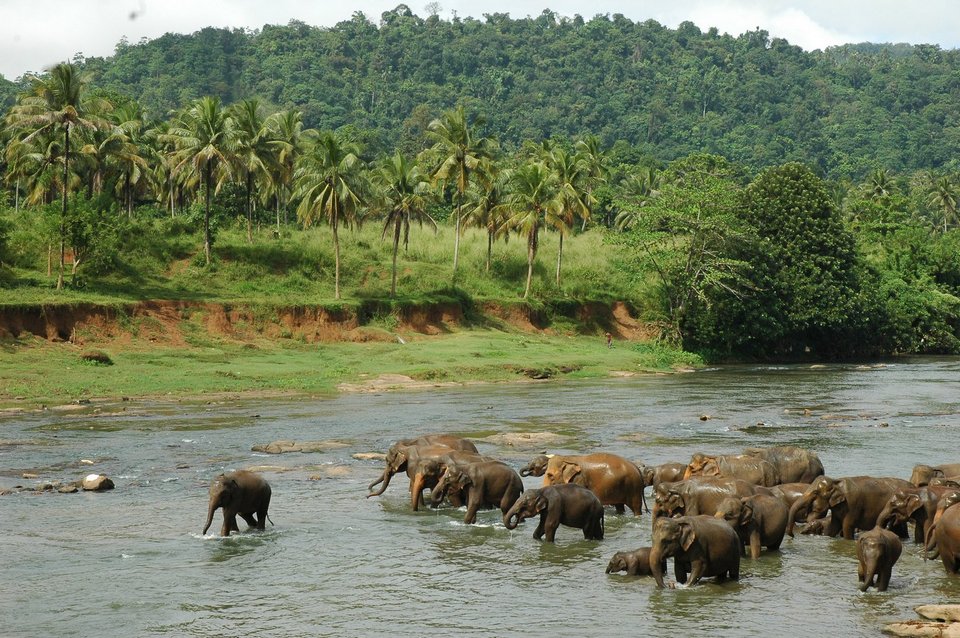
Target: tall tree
{"type": "Point", "coordinates": [462, 151]}
{"type": "Point", "coordinates": [204, 138]}
{"type": "Point", "coordinates": [532, 196]}
{"type": "Point", "coordinates": [596, 168]}
{"type": "Point", "coordinates": [286, 142]}
{"type": "Point", "coordinates": [58, 101]}
{"type": "Point", "coordinates": [944, 196]}
{"type": "Point", "coordinates": [252, 153]}
{"type": "Point", "coordinates": [484, 205]}
{"type": "Point", "coordinates": [571, 171]}
{"type": "Point", "coordinates": [331, 184]}
{"type": "Point", "coordinates": [403, 192]}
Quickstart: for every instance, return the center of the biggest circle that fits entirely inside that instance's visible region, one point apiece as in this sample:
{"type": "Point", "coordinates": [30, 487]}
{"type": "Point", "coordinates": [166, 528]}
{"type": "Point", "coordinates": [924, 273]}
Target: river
{"type": "Point", "coordinates": [132, 562]}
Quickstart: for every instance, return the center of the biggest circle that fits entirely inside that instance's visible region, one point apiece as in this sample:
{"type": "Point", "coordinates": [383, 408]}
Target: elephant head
{"type": "Point", "coordinates": [671, 536]}
{"type": "Point", "coordinates": [530, 503]}
{"type": "Point", "coordinates": [396, 461]}
{"type": "Point", "coordinates": [560, 470]}
{"type": "Point", "coordinates": [620, 562]}
{"type": "Point", "coordinates": [648, 472]}
{"type": "Point", "coordinates": [702, 465]}
{"type": "Point", "coordinates": [453, 479]}
{"type": "Point", "coordinates": [668, 501]}
{"type": "Point", "coordinates": [899, 508]}
{"type": "Point", "coordinates": [537, 466]}
{"type": "Point", "coordinates": [823, 494]}
{"type": "Point", "coordinates": [426, 474]}
{"type": "Point", "coordinates": [943, 481]}
{"type": "Point", "coordinates": [738, 512]}
{"type": "Point", "coordinates": [922, 474]}
{"type": "Point", "coordinates": [222, 491]}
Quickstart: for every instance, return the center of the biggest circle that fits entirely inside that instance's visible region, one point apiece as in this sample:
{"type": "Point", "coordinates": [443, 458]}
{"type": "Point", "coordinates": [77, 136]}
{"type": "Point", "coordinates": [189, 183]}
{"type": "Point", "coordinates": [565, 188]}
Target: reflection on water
{"type": "Point", "coordinates": [132, 562]}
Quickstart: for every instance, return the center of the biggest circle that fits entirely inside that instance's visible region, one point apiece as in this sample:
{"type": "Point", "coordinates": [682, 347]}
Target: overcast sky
{"type": "Point", "coordinates": [34, 34]}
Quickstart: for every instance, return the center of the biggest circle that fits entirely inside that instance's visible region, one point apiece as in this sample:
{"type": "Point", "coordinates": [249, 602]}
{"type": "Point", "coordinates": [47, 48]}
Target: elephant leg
{"type": "Point", "coordinates": [883, 578]}
{"type": "Point", "coordinates": [620, 508]}
{"type": "Point", "coordinates": [473, 505]}
{"type": "Point", "coordinates": [538, 533]}
{"type": "Point", "coordinates": [735, 571]}
{"type": "Point", "coordinates": [250, 520]}
{"type": "Point", "coordinates": [848, 528]}
{"type": "Point", "coordinates": [697, 568]}
{"type": "Point", "coordinates": [755, 544]}
{"type": "Point", "coordinates": [680, 570]}
{"type": "Point", "coordinates": [229, 523]}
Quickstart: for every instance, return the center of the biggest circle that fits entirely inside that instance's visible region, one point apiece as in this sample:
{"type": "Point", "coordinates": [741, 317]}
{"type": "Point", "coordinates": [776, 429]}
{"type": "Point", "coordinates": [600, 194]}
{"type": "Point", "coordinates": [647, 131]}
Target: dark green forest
{"type": "Point", "coordinates": [646, 90]}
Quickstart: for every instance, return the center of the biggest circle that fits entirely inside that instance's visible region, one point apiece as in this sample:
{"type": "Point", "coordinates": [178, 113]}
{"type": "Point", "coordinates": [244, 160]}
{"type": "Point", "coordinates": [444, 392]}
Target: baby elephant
{"type": "Point", "coordinates": [635, 563]}
{"type": "Point", "coordinates": [241, 492]}
{"type": "Point", "coordinates": [878, 551]}
{"type": "Point", "coordinates": [569, 504]}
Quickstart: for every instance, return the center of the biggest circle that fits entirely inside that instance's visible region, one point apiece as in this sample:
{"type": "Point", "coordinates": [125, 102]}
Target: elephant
{"type": "Point", "coordinates": [922, 474]}
{"type": "Point", "coordinates": [615, 480]}
{"type": "Point", "coordinates": [702, 545]}
{"type": "Point", "coordinates": [947, 481]}
{"type": "Point", "coordinates": [793, 464]}
{"type": "Point", "coordinates": [946, 536]}
{"type": "Point", "coordinates": [567, 504]}
{"type": "Point", "coordinates": [946, 501]}
{"type": "Point", "coordinates": [635, 563]}
{"type": "Point", "coordinates": [789, 492]}
{"type": "Point", "coordinates": [918, 504]}
{"type": "Point", "coordinates": [487, 484]}
{"type": "Point", "coordinates": [653, 475]}
{"type": "Point", "coordinates": [760, 519]}
{"type": "Point", "coordinates": [427, 464]}
{"type": "Point", "coordinates": [241, 492]}
{"type": "Point", "coordinates": [701, 495]}
{"type": "Point", "coordinates": [397, 455]}
{"type": "Point", "coordinates": [855, 502]}
{"type": "Point", "coordinates": [747, 468]}
{"type": "Point", "coordinates": [878, 550]}
{"type": "Point", "coordinates": [536, 467]}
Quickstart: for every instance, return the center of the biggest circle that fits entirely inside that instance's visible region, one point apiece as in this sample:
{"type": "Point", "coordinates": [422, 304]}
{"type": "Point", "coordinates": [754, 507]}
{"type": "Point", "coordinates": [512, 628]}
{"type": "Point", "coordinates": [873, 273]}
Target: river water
{"type": "Point", "coordinates": [132, 562]}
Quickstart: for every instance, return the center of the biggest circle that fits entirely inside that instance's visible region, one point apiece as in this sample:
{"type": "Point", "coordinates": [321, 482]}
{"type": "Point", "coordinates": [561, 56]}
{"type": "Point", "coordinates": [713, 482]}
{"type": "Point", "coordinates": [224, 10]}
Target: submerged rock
{"type": "Point", "coordinates": [285, 447]}
{"type": "Point", "coordinates": [370, 456]}
{"type": "Point", "coordinates": [943, 613]}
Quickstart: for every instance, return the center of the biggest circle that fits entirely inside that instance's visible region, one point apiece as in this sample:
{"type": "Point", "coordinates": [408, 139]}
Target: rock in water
{"type": "Point", "coordinates": [96, 483]}
{"type": "Point", "coordinates": [943, 613]}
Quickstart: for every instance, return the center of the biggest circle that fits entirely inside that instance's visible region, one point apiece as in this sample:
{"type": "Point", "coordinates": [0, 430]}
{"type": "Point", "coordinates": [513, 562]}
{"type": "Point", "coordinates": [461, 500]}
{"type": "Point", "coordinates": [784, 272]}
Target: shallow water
{"type": "Point", "coordinates": [132, 562]}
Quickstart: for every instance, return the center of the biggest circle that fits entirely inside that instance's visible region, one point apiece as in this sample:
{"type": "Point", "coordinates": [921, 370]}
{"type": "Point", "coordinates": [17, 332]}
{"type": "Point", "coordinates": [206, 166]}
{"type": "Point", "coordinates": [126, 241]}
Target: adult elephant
{"type": "Point", "coordinates": [427, 464]}
{"type": "Point", "coordinates": [747, 468]}
{"type": "Point", "coordinates": [537, 465]}
{"type": "Point", "coordinates": [793, 464]}
{"type": "Point", "coordinates": [698, 495]}
{"type": "Point", "coordinates": [854, 502]}
{"type": "Point", "coordinates": [922, 474]}
{"type": "Point", "coordinates": [759, 520]}
{"type": "Point", "coordinates": [615, 480]}
{"type": "Point", "coordinates": [568, 504]}
{"type": "Point", "coordinates": [240, 493]}
{"type": "Point", "coordinates": [918, 504]}
{"type": "Point", "coordinates": [399, 452]}
{"type": "Point", "coordinates": [654, 475]}
{"type": "Point", "coordinates": [946, 537]}
{"type": "Point", "coordinates": [487, 484]}
{"type": "Point", "coordinates": [701, 545]}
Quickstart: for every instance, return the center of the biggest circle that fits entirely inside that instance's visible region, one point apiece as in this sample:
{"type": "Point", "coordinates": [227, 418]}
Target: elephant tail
{"type": "Point", "coordinates": [271, 520]}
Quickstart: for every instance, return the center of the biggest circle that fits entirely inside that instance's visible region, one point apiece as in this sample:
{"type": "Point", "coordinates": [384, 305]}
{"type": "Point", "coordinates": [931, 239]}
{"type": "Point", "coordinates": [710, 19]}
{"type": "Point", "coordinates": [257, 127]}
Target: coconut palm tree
{"type": "Point", "coordinates": [484, 205]}
{"type": "Point", "coordinates": [462, 152]}
{"type": "Point", "coordinates": [403, 191]}
{"type": "Point", "coordinates": [596, 168]}
{"type": "Point", "coordinates": [58, 102]}
{"type": "Point", "coordinates": [130, 159]}
{"type": "Point", "coordinates": [532, 197]}
{"type": "Point", "coordinates": [204, 139]}
{"type": "Point", "coordinates": [331, 184]}
{"type": "Point", "coordinates": [571, 172]}
{"type": "Point", "coordinates": [287, 139]}
{"type": "Point", "coordinates": [944, 196]}
{"type": "Point", "coordinates": [253, 152]}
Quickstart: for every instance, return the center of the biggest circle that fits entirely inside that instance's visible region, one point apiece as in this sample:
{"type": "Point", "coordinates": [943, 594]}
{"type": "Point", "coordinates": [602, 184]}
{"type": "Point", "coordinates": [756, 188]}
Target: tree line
{"type": "Point", "coordinates": [775, 263]}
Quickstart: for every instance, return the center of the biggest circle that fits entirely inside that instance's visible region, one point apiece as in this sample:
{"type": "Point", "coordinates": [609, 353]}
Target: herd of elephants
{"type": "Point", "coordinates": [706, 512]}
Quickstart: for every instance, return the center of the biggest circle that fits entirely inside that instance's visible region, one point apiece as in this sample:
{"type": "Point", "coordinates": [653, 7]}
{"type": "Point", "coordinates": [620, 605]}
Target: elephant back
{"type": "Point", "coordinates": [793, 464]}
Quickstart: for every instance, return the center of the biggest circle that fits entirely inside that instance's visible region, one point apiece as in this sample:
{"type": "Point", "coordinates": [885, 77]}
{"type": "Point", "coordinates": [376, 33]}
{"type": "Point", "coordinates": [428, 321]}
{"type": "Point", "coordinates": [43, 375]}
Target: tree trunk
{"type": "Point", "coordinates": [63, 212]}
{"type": "Point", "coordinates": [249, 209]}
{"type": "Point", "coordinates": [16, 201]}
{"type": "Point", "coordinates": [489, 248]}
{"type": "Point", "coordinates": [531, 255]}
{"type": "Point", "coordinates": [396, 246]}
{"type": "Point", "coordinates": [278, 213]}
{"type": "Point", "coordinates": [559, 258]}
{"type": "Point", "coordinates": [206, 216]}
{"type": "Point", "coordinates": [336, 256]}
{"type": "Point", "coordinates": [456, 238]}
{"type": "Point", "coordinates": [129, 190]}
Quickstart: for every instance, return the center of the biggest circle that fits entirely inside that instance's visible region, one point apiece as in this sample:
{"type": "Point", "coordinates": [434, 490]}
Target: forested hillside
{"type": "Point", "coordinates": [664, 92]}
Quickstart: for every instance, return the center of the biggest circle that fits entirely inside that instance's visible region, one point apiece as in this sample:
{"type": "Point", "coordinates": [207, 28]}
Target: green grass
{"type": "Point", "coordinates": [34, 372]}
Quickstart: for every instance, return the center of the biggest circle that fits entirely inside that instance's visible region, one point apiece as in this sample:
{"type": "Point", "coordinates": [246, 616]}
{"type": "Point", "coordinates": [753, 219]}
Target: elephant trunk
{"type": "Point", "coordinates": [802, 502]}
{"type": "Point", "coordinates": [210, 510]}
{"type": "Point", "coordinates": [416, 490]}
{"type": "Point", "coordinates": [657, 562]}
{"type": "Point", "coordinates": [928, 541]}
{"type": "Point", "coordinates": [385, 479]}
{"type": "Point", "coordinates": [869, 571]}
{"type": "Point", "coordinates": [687, 473]}
{"type": "Point", "coordinates": [512, 518]}
{"type": "Point", "coordinates": [437, 494]}
{"type": "Point", "coordinates": [886, 519]}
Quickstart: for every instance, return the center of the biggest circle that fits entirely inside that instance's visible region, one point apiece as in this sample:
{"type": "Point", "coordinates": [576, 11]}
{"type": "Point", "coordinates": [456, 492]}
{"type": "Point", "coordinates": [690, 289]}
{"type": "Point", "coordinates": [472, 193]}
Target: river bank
{"type": "Point", "coordinates": [82, 353]}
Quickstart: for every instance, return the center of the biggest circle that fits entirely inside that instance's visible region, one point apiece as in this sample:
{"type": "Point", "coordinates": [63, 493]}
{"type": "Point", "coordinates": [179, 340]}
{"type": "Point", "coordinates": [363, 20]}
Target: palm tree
{"type": "Point", "coordinates": [330, 182]}
{"type": "Point", "coordinates": [204, 139]}
{"type": "Point", "coordinates": [286, 141]}
{"type": "Point", "coordinates": [462, 153]}
{"type": "Point", "coordinates": [129, 158]}
{"type": "Point", "coordinates": [571, 174]}
{"type": "Point", "coordinates": [253, 151]}
{"type": "Point", "coordinates": [944, 196]}
{"type": "Point", "coordinates": [533, 196]}
{"type": "Point", "coordinates": [485, 197]}
{"type": "Point", "coordinates": [596, 168]}
{"type": "Point", "coordinates": [879, 184]}
{"type": "Point", "coordinates": [57, 102]}
{"type": "Point", "coordinates": [403, 192]}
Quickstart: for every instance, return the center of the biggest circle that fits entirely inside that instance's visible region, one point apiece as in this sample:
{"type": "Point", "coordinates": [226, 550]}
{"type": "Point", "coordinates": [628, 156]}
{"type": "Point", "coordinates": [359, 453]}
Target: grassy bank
{"type": "Point", "coordinates": [34, 372]}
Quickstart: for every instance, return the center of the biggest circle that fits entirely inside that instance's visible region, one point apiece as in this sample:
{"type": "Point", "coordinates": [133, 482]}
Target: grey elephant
{"type": "Point", "coordinates": [635, 563]}
{"type": "Point", "coordinates": [877, 552]}
{"type": "Point", "coordinates": [794, 464]}
{"type": "Point", "coordinates": [568, 504]}
{"type": "Point", "coordinates": [759, 520]}
{"type": "Point", "coordinates": [240, 493]}
{"type": "Point", "coordinates": [702, 546]}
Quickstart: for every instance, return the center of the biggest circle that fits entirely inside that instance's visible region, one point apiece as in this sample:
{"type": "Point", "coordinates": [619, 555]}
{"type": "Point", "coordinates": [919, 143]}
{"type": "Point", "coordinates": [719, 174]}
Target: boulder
{"type": "Point", "coordinates": [69, 488]}
{"type": "Point", "coordinates": [96, 483]}
{"type": "Point", "coordinates": [370, 456]}
{"type": "Point", "coordinates": [285, 447]}
{"type": "Point", "coordinates": [943, 613]}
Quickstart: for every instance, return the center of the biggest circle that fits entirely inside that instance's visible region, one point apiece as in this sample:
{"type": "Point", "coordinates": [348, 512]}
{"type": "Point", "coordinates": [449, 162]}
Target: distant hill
{"type": "Point", "coordinates": [662, 92]}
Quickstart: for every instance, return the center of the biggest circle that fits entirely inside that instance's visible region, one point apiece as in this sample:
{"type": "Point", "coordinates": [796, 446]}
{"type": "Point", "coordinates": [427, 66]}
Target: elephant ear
{"type": "Point", "coordinates": [569, 472]}
{"type": "Point", "coordinates": [836, 496]}
{"type": "Point", "coordinates": [541, 503]}
{"type": "Point", "coordinates": [687, 536]}
{"type": "Point", "coordinates": [746, 511]}
{"type": "Point", "coordinates": [913, 503]}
